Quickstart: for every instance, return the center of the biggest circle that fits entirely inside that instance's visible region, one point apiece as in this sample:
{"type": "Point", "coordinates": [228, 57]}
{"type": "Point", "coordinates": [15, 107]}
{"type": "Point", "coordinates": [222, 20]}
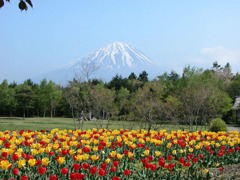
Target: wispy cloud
{"type": "Point", "coordinates": [222, 55]}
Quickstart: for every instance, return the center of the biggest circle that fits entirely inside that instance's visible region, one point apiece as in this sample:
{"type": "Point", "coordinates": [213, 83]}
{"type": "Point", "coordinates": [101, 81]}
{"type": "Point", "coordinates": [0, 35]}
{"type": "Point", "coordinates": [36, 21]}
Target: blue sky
{"type": "Point", "coordinates": [175, 33]}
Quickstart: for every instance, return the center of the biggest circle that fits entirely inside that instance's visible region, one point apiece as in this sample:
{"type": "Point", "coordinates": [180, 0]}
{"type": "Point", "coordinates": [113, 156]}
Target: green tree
{"type": "Point", "coordinates": [171, 81]}
{"type": "Point", "coordinates": [55, 94]}
{"type": "Point", "coordinates": [143, 77]}
{"type": "Point", "coordinates": [234, 86]}
{"type": "Point", "coordinates": [146, 105]}
{"type": "Point", "coordinates": [121, 100]}
{"type": "Point", "coordinates": [103, 103]}
{"type": "Point", "coordinates": [71, 95]}
{"type": "Point", "coordinates": [43, 97]}
{"type": "Point", "coordinates": [223, 74]}
{"type": "Point", "coordinates": [117, 82]}
{"type": "Point", "coordinates": [24, 97]}
{"type": "Point", "coordinates": [201, 98]}
{"type": "Point", "coordinates": [7, 99]}
{"type": "Point", "coordinates": [132, 76]}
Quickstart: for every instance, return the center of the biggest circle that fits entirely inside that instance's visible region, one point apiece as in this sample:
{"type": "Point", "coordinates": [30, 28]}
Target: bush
{"type": "Point", "coordinates": [218, 124]}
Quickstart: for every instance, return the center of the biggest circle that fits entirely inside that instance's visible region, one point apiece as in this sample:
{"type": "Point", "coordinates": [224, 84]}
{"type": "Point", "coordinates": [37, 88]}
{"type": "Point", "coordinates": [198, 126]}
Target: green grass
{"type": "Point", "coordinates": [16, 123]}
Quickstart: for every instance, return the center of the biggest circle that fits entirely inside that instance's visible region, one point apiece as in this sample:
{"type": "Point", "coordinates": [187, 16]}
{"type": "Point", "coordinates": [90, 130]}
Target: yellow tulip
{"type": "Point", "coordinates": [108, 144]}
{"type": "Point", "coordinates": [158, 153]}
{"type": "Point", "coordinates": [119, 156]}
{"type": "Point", "coordinates": [146, 152]}
{"type": "Point", "coordinates": [85, 157]}
{"type": "Point", "coordinates": [113, 154]}
{"type": "Point", "coordinates": [61, 160]}
{"type": "Point", "coordinates": [55, 146]}
{"type": "Point", "coordinates": [21, 163]}
{"type": "Point", "coordinates": [107, 161]}
{"type": "Point", "coordinates": [94, 157]}
{"type": "Point", "coordinates": [174, 152]}
{"type": "Point", "coordinates": [79, 157]}
{"type": "Point", "coordinates": [4, 164]}
{"type": "Point", "coordinates": [169, 145]}
{"type": "Point", "coordinates": [190, 150]}
{"type": "Point", "coordinates": [34, 152]}
{"type": "Point", "coordinates": [32, 162]}
{"type": "Point", "coordinates": [205, 171]}
{"type": "Point", "coordinates": [45, 161]}
{"type": "Point", "coordinates": [197, 146]}
{"type": "Point", "coordinates": [41, 150]}
{"type": "Point", "coordinates": [217, 145]}
{"type": "Point", "coordinates": [130, 154]}
{"type": "Point", "coordinates": [181, 151]}
{"type": "Point", "coordinates": [71, 152]}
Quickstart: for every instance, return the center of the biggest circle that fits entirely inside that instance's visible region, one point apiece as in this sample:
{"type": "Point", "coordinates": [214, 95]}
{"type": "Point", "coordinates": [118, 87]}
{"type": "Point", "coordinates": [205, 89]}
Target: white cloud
{"type": "Point", "coordinates": [222, 55]}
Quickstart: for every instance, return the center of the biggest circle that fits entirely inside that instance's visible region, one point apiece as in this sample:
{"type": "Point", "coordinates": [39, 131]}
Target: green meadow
{"type": "Point", "coordinates": [18, 123]}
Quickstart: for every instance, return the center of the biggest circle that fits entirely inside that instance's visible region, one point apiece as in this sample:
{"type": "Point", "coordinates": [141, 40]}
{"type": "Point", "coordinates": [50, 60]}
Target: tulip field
{"type": "Point", "coordinates": [115, 154]}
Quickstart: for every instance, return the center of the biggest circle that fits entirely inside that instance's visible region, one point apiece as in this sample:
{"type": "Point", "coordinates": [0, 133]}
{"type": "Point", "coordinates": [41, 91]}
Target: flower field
{"type": "Point", "coordinates": [115, 154]}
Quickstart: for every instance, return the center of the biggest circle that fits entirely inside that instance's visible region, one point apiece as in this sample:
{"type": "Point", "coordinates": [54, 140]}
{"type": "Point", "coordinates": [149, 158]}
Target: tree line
{"type": "Point", "coordinates": [193, 98]}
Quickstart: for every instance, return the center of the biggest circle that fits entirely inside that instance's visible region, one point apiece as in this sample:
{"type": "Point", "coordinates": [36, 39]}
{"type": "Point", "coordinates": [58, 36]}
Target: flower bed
{"type": "Point", "coordinates": [115, 154]}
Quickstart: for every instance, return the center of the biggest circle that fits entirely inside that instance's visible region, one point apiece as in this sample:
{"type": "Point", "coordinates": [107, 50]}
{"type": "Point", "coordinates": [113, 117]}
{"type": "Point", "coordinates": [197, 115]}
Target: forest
{"type": "Point", "coordinates": [193, 98]}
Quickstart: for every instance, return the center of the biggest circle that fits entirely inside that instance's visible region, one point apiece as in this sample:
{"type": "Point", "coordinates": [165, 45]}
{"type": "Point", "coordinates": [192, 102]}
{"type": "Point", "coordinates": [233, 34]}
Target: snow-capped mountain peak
{"type": "Point", "coordinates": [117, 58]}
{"type": "Point", "coordinates": [115, 55]}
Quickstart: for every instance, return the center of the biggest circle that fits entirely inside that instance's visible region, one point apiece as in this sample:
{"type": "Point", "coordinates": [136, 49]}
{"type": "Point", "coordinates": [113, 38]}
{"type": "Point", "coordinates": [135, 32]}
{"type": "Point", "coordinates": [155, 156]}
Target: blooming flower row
{"type": "Point", "coordinates": [115, 154]}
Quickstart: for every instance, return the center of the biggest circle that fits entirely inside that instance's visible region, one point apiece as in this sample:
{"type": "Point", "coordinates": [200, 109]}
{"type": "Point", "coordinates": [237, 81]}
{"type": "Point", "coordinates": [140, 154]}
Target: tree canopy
{"type": "Point", "coordinates": [193, 98]}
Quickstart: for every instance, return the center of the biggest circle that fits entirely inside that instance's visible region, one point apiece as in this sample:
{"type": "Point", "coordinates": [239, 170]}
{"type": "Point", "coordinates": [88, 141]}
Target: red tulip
{"type": "Point", "coordinates": [150, 158]}
{"type": "Point", "coordinates": [201, 156]}
{"type": "Point", "coordinates": [169, 157]}
{"type": "Point", "coordinates": [64, 170]}
{"type": "Point", "coordinates": [101, 172]}
{"type": "Point", "coordinates": [65, 152]}
{"type": "Point", "coordinates": [115, 178]}
{"type": "Point", "coordinates": [93, 170]}
{"type": "Point", "coordinates": [42, 170]}
{"type": "Point", "coordinates": [113, 169]}
{"type": "Point", "coordinates": [153, 167]}
{"type": "Point", "coordinates": [76, 167]}
{"type": "Point", "coordinates": [187, 164]}
{"type": "Point", "coordinates": [80, 176]}
{"type": "Point", "coordinates": [15, 171]}
{"type": "Point", "coordinates": [73, 176]}
{"type": "Point", "coordinates": [15, 157]}
{"type": "Point", "coordinates": [195, 159]}
{"type": "Point", "coordinates": [127, 172]}
{"type": "Point", "coordinates": [39, 162]}
{"type": "Point", "coordinates": [4, 154]}
{"type": "Point", "coordinates": [85, 166]}
{"type": "Point", "coordinates": [85, 149]}
{"type": "Point", "coordinates": [161, 161]}
{"type": "Point", "coordinates": [116, 163]}
{"type": "Point", "coordinates": [24, 177]}
{"type": "Point", "coordinates": [53, 177]}
{"type": "Point", "coordinates": [51, 153]}
{"type": "Point", "coordinates": [221, 169]}
{"type": "Point", "coordinates": [103, 166]}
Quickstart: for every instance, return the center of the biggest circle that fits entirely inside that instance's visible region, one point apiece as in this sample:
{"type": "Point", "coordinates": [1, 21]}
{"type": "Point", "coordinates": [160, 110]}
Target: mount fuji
{"type": "Point", "coordinates": [117, 58]}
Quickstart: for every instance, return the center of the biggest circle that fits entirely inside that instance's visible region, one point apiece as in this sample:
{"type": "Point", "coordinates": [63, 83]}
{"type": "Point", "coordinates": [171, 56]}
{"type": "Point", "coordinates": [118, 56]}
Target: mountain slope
{"type": "Point", "coordinates": [116, 54]}
{"type": "Point", "coordinates": [115, 58]}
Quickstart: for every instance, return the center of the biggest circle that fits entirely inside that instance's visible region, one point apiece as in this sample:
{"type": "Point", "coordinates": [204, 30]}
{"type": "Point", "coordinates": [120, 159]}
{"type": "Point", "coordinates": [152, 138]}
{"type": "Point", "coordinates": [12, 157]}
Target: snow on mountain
{"type": "Point", "coordinates": [117, 58]}
{"type": "Point", "coordinates": [115, 55]}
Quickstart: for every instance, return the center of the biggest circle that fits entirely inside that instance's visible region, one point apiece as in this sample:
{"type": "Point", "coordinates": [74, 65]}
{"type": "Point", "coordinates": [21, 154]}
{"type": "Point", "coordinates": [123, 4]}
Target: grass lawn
{"type": "Point", "coordinates": [17, 123]}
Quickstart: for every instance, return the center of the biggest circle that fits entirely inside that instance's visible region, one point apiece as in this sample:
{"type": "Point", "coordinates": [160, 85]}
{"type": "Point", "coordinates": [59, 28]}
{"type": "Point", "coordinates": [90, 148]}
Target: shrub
{"type": "Point", "coordinates": [218, 124]}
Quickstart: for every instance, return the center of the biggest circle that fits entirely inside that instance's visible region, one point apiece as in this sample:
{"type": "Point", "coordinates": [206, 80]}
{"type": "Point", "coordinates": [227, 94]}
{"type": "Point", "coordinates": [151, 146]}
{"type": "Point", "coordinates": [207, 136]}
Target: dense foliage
{"type": "Point", "coordinates": [193, 98]}
{"type": "Point", "coordinates": [217, 125]}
